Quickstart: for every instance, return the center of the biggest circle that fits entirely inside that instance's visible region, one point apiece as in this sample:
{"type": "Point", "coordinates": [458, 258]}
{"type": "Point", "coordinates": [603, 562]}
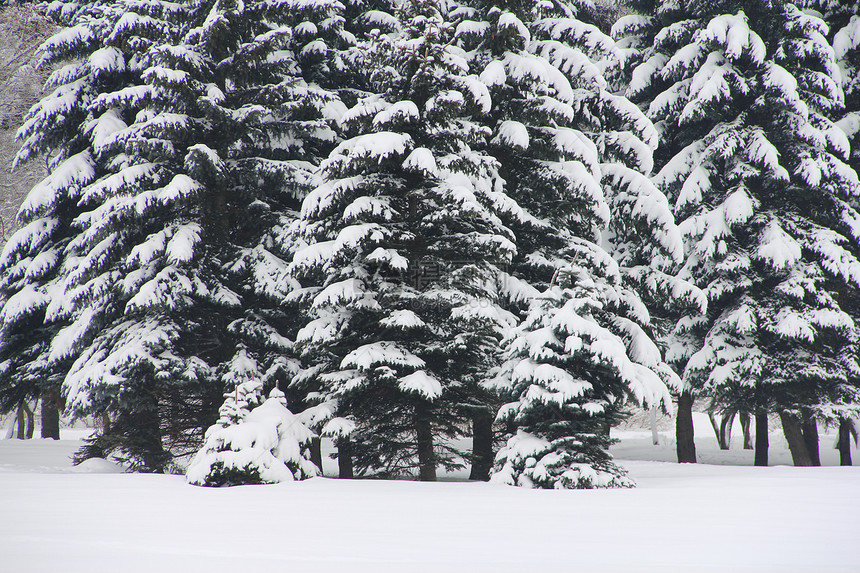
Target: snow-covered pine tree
{"type": "Point", "coordinates": [591, 230]}
{"type": "Point", "coordinates": [291, 143]}
{"type": "Point", "coordinates": [243, 131]}
{"type": "Point", "coordinates": [87, 298]}
{"type": "Point", "coordinates": [322, 32]}
{"type": "Point", "coordinates": [21, 82]}
{"type": "Point", "coordinates": [634, 34]}
{"type": "Point", "coordinates": [32, 261]}
{"type": "Point", "coordinates": [403, 239]}
{"type": "Point", "coordinates": [253, 442]}
{"type": "Point", "coordinates": [193, 158]}
{"type": "Point", "coordinates": [741, 92]}
{"type": "Point", "coordinates": [843, 18]}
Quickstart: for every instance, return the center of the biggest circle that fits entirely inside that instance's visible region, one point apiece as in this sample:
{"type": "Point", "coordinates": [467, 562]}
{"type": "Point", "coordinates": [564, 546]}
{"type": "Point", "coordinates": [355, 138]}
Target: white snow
{"type": "Point", "coordinates": [348, 291]}
{"type": "Point", "coordinates": [419, 382]}
{"type": "Point", "coordinates": [733, 32]}
{"type": "Point", "coordinates": [180, 248]}
{"type": "Point", "coordinates": [110, 186]}
{"type": "Point", "coordinates": [366, 205]}
{"type": "Point", "coordinates": [847, 38]}
{"type": "Point", "coordinates": [390, 257]}
{"type": "Point", "coordinates": [30, 236]}
{"type": "Point", "coordinates": [494, 74]}
{"type": "Point", "coordinates": [399, 112]}
{"type": "Point", "coordinates": [382, 19]}
{"type": "Point", "coordinates": [575, 64]}
{"type": "Point", "coordinates": [376, 146]}
{"type": "Point", "coordinates": [107, 59]}
{"type": "Point", "coordinates": [380, 353]}
{"type": "Point", "coordinates": [26, 301]}
{"type": "Point", "coordinates": [359, 235]}
{"type": "Point", "coordinates": [578, 145]}
{"type": "Point", "coordinates": [784, 82]}
{"type": "Point", "coordinates": [716, 516]}
{"type": "Point", "coordinates": [104, 127]}
{"type": "Point", "coordinates": [777, 247]}
{"type": "Point", "coordinates": [74, 172]}
{"type": "Point", "coordinates": [180, 186]}
{"type": "Point", "coordinates": [792, 325]}
{"type": "Point", "coordinates": [338, 427]}
{"type": "Point", "coordinates": [477, 88]}
{"type": "Point", "coordinates": [403, 319]}
{"type": "Point", "coordinates": [64, 343]}
{"type": "Point", "coordinates": [421, 160]}
{"type": "Point", "coordinates": [527, 67]}
{"type": "Point", "coordinates": [509, 21]}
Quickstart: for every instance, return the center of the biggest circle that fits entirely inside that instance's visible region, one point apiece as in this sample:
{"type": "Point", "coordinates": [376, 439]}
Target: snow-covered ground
{"type": "Point", "coordinates": [724, 516]}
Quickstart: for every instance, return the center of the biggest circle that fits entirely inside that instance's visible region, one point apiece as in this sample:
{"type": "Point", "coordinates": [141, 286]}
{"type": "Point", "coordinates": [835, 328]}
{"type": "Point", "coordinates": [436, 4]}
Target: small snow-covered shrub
{"type": "Point", "coordinates": [265, 445]}
{"type": "Point", "coordinates": [527, 460]}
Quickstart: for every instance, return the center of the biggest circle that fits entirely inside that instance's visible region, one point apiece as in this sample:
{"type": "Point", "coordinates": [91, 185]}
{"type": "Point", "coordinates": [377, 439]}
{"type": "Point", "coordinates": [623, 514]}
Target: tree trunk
{"type": "Point", "coordinates": [791, 427]}
{"type": "Point", "coordinates": [316, 452]}
{"type": "Point", "coordinates": [104, 420]}
{"type": "Point", "coordinates": [810, 439]}
{"type": "Point", "coordinates": [844, 443]}
{"type": "Point", "coordinates": [31, 421]}
{"type": "Point", "coordinates": [344, 459]}
{"type": "Point", "coordinates": [21, 421]}
{"type": "Point", "coordinates": [148, 440]}
{"type": "Point", "coordinates": [761, 440]}
{"type": "Point", "coordinates": [424, 435]}
{"type": "Point", "coordinates": [720, 429]}
{"type": "Point", "coordinates": [716, 427]}
{"type": "Point", "coordinates": [685, 444]}
{"type": "Point", "coordinates": [482, 445]}
{"type": "Point", "coordinates": [601, 428]}
{"type": "Point", "coordinates": [726, 424]}
{"type": "Point", "coordinates": [50, 416]}
{"type": "Point", "coordinates": [744, 418]}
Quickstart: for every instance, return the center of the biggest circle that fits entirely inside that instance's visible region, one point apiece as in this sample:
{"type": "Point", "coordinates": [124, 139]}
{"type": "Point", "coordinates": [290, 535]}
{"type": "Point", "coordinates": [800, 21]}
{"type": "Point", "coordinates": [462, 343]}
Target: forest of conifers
{"type": "Point", "coordinates": [398, 223]}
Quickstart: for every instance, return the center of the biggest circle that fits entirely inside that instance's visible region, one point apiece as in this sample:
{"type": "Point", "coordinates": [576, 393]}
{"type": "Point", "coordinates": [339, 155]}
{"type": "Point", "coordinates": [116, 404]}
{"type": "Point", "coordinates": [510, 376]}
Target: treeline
{"type": "Point", "coordinates": [409, 222]}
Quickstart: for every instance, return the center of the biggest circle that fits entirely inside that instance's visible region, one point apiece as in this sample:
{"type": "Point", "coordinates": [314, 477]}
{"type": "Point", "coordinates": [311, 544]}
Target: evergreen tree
{"type": "Point", "coordinates": [742, 91]}
{"type": "Point", "coordinates": [843, 18]}
{"type": "Point", "coordinates": [195, 139]}
{"type": "Point", "coordinates": [236, 131]}
{"type": "Point", "coordinates": [592, 233]}
{"type": "Point", "coordinates": [32, 261]}
{"type": "Point", "coordinates": [253, 442]}
{"type": "Point", "coordinates": [635, 34]}
{"type": "Point", "coordinates": [403, 242]}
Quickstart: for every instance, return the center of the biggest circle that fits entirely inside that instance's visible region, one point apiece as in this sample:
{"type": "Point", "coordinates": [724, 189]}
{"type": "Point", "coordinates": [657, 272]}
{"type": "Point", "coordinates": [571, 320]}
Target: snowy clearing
{"type": "Point", "coordinates": [684, 518]}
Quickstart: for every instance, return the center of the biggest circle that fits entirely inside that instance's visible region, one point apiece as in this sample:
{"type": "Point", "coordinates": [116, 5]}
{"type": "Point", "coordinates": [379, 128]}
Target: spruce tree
{"type": "Point", "coordinates": [843, 18]}
{"type": "Point", "coordinates": [291, 146]}
{"type": "Point", "coordinates": [242, 149]}
{"type": "Point", "coordinates": [635, 35]}
{"type": "Point", "coordinates": [592, 233]}
{"type": "Point", "coordinates": [196, 138]}
{"type": "Point", "coordinates": [32, 261]}
{"type": "Point", "coordinates": [742, 92]}
{"type": "Point", "coordinates": [254, 441]}
{"type": "Point", "coordinates": [403, 242]}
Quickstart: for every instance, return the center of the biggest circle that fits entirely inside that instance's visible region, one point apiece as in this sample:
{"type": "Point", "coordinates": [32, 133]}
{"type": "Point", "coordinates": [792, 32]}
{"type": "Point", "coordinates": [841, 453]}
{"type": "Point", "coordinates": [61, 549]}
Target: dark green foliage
{"type": "Point", "coordinates": [405, 194]}
{"type": "Point", "coordinates": [744, 93]}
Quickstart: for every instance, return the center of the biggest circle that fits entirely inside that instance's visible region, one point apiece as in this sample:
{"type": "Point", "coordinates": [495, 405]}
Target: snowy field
{"type": "Point", "coordinates": [721, 516]}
